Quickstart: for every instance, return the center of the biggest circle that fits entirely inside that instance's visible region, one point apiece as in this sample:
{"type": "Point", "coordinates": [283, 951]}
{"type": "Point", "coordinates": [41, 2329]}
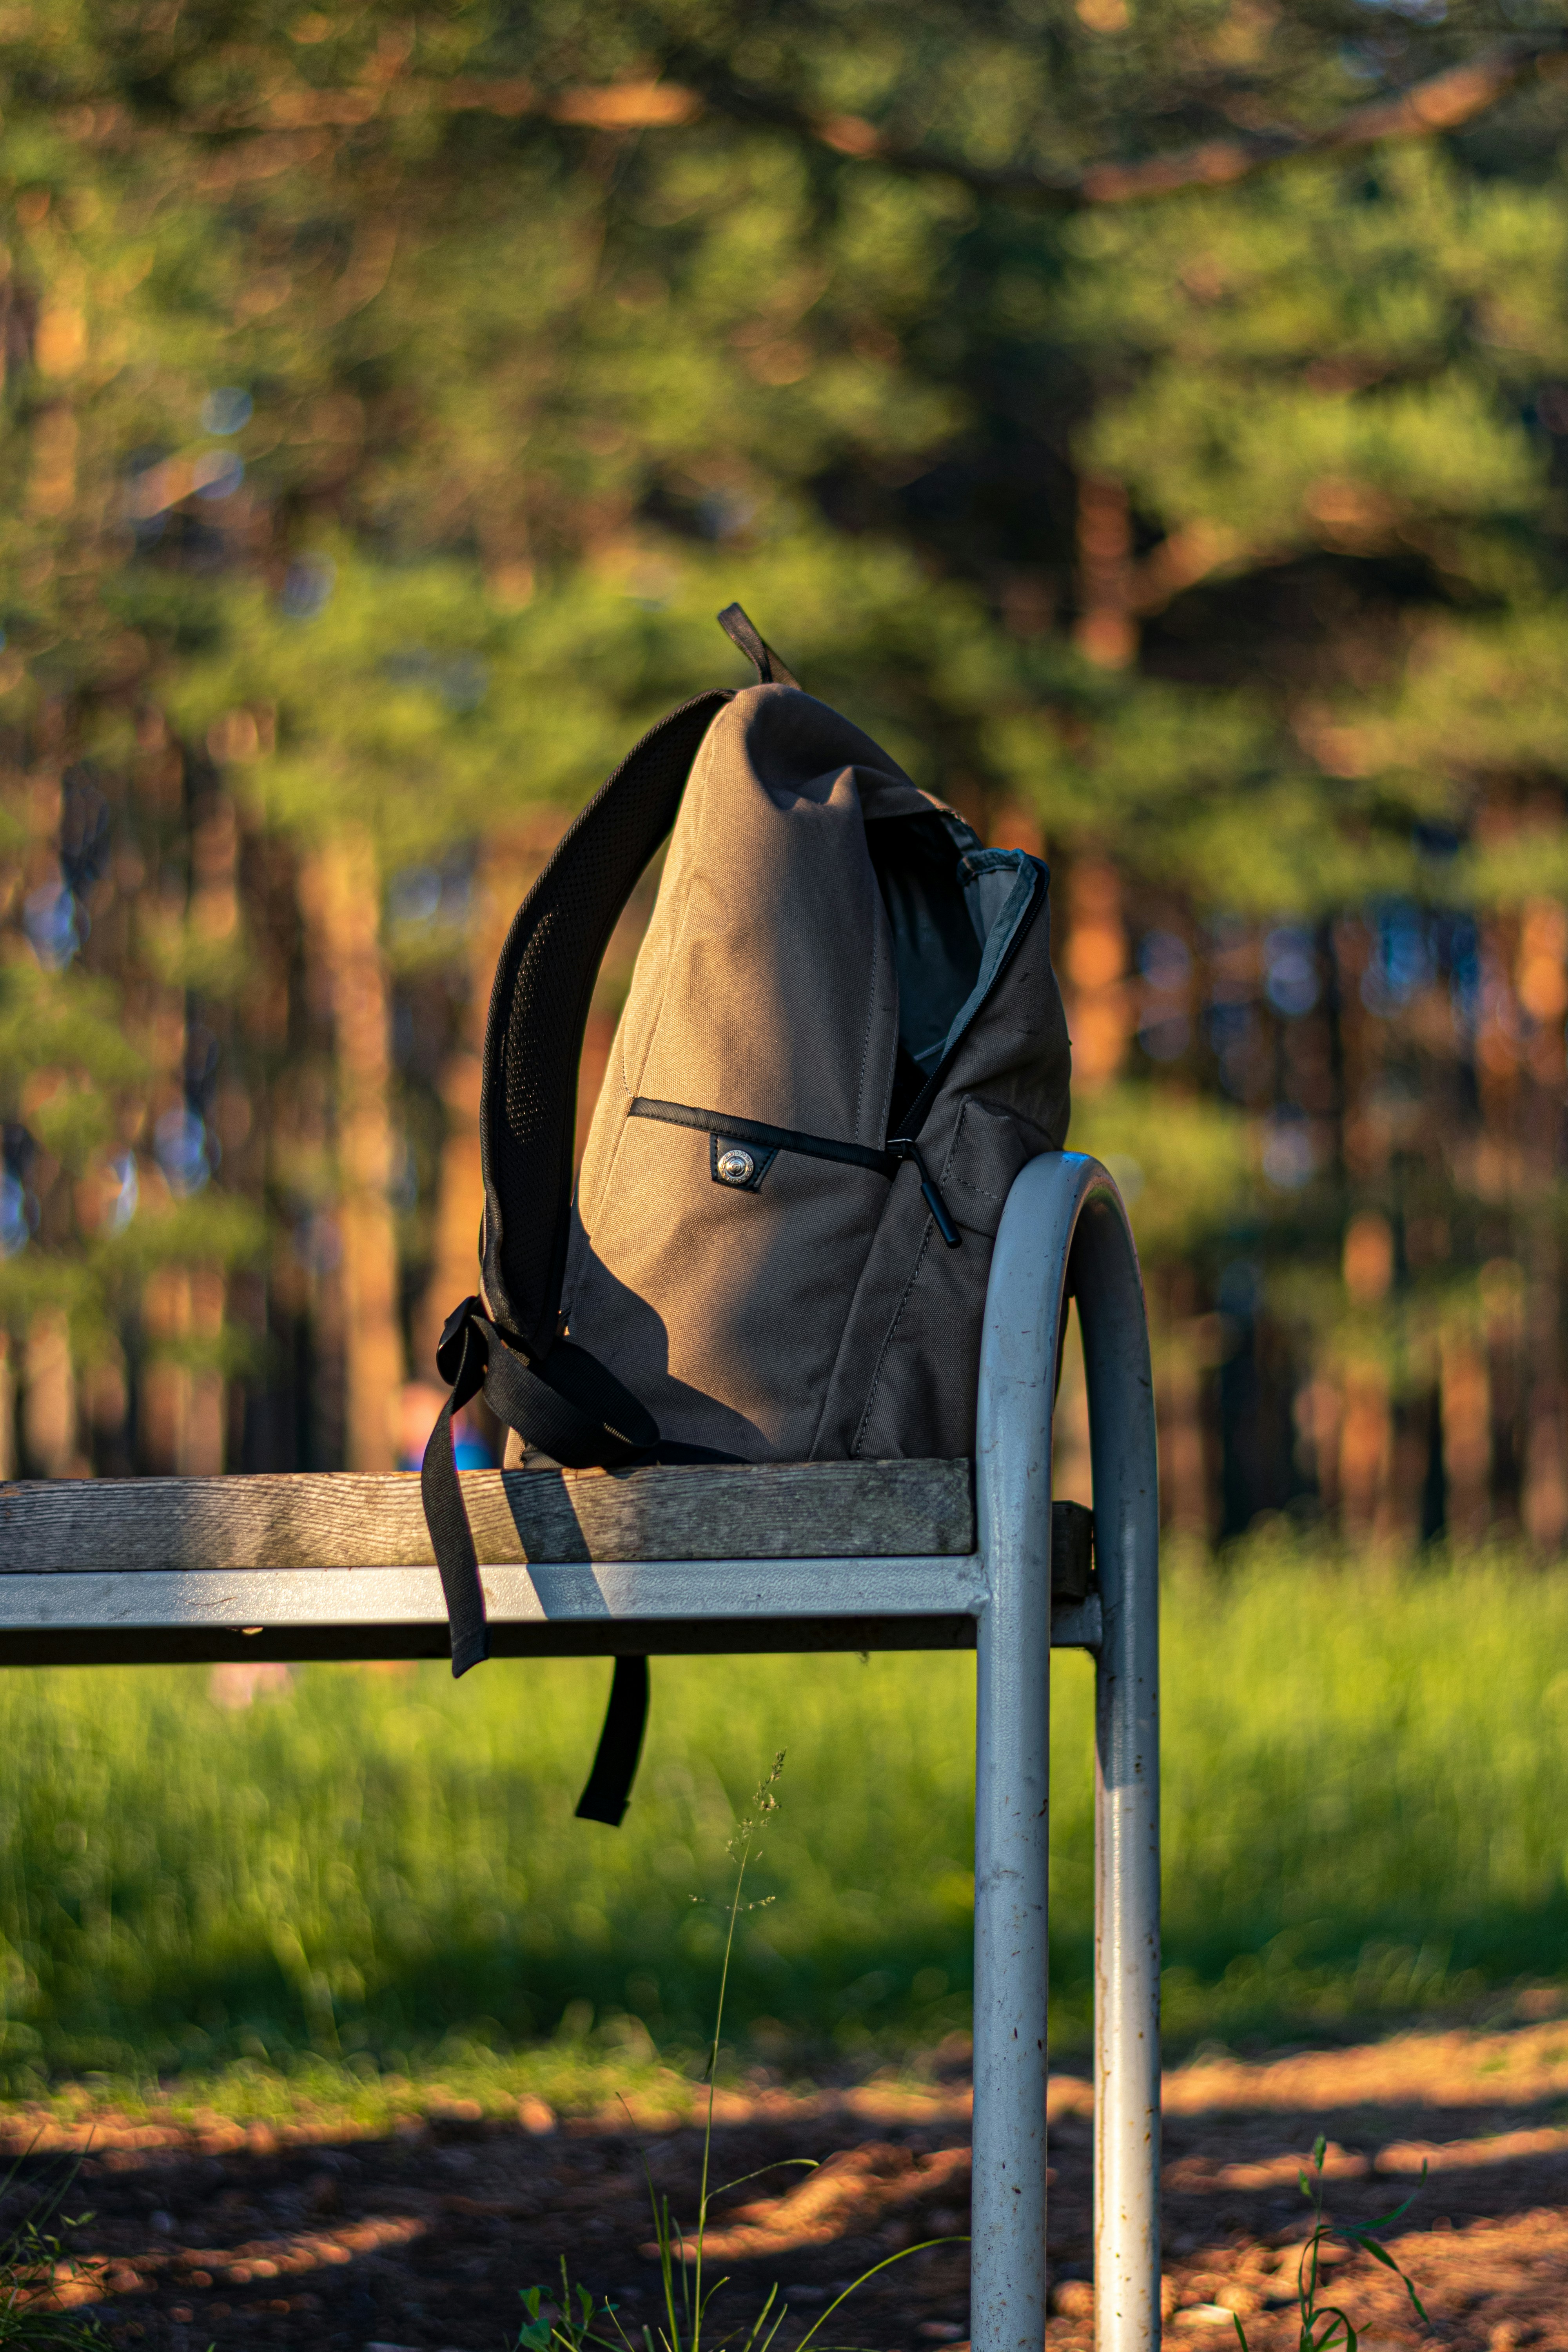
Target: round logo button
{"type": "Point", "coordinates": [735, 1166]}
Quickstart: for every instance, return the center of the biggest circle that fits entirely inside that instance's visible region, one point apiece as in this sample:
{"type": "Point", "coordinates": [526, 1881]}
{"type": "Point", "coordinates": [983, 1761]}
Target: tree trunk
{"type": "Point", "coordinates": [1319, 1413]}
{"type": "Point", "coordinates": [1178, 1377]}
{"type": "Point", "coordinates": [1399, 1516]}
{"type": "Point", "coordinates": [184, 1417]}
{"type": "Point", "coordinates": [1098, 1000]}
{"type": "Point", "coordinates": [341, 893]}
{"type": "Point", "coordinates": [1105, 630]}
{"type": "Point", "coordinates": [1072, 1476]}
{"type": "Point", "coordinates": [1366, 1448]}
{"type": "Point", "coordinates": [1545, 1495]}
{"type": "Point", "coordinates": [1466, 1434]}
{"type": "Point", "coordinates": [49, 1403]}
{"type": "Point", "coordinates": [1541, 987]}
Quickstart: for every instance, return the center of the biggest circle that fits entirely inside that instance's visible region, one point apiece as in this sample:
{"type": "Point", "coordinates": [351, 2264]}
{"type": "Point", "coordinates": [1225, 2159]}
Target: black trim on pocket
{"type": "Point", "coordinates": [756, 1136]}
{"type": "Point", "coordinates": [754, 1133]}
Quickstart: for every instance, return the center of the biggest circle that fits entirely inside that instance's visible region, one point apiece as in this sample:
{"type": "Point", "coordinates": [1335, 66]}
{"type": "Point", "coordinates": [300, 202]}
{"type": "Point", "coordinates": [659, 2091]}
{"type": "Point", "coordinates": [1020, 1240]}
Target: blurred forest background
{"type": "Point", "coordinates": [392, 398]}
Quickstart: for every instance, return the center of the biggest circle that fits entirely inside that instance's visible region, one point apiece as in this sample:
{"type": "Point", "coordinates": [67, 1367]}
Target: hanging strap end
{"type": "Point", "coordinates": [470, 1652]}
{"type": "Point", "coordinates": [609, 1787]}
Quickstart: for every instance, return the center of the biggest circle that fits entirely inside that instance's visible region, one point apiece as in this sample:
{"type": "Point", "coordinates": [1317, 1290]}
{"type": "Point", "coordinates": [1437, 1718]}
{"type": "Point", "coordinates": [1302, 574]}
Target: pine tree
{"type": "Point", "coordinates": [389, 406]}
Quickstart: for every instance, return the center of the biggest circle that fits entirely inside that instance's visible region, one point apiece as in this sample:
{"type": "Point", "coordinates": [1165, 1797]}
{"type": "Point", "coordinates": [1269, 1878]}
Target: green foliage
{"type": "Point", "coordinates": [49, 1022]}
{"type": "Point", "coordinates": [385, 417]}
{"type": "Point", "coordinates": [569, 2327]}
{"type": "Point", "coordinates": [381, 1873]}
{"type": "Point", "coordinates": [1325, 2325]}
{"type": "Point", "coordinates": [1181, 1164]}
{"type": "Point", "coordinates": [681, 2254]}
{"type": "Point", "coordinates": [409, 675]}
{"type": "Point", "coordinates": [32, 2254]}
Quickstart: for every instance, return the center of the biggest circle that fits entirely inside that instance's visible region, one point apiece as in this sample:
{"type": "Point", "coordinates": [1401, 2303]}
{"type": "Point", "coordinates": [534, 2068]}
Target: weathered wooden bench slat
{"type": "Point", "coordinates": [825, 1510]}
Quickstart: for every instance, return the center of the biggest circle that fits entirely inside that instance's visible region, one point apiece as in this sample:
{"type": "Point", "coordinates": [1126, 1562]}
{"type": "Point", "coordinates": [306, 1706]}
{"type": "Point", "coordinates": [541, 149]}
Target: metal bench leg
{"type": "Point", "coordinates": [1007, 2293]}
{"type": "Point", "coordinates": [1012, 1480]}
{"type": "Point", "coordinates": [1061, 1206]}
{"type": "Point", "coordinates": [1127, 1787]}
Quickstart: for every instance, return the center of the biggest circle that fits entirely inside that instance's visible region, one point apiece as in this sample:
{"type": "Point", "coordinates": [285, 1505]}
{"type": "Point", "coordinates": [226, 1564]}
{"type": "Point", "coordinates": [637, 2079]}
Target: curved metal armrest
{"type": "Point", "coordinates": [1065, 1230]}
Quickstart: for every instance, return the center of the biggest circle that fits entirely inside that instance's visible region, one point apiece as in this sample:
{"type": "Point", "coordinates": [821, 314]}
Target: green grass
{"type": "Point", "coordinates": [380, 1878]}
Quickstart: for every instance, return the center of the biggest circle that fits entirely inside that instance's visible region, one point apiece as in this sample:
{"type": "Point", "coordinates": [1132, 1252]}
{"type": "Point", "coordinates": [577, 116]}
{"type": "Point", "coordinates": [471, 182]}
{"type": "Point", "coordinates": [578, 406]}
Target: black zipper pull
{"type": "Point", "coordinates": [905, 1147]}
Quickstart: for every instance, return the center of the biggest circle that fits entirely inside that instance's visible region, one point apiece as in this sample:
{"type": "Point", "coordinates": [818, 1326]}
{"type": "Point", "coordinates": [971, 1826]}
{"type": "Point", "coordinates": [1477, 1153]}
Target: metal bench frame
{"type": "Point", "coordinates": [194, 1588]}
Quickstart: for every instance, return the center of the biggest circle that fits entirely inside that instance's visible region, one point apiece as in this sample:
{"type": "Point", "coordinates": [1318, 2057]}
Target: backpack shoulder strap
{"type": "Point", "coordinates": [557, 1396]}
{"type": "Point", "coordinates": [508, 1345]}
{"type": "Point", "coordinates": [539, 1013]}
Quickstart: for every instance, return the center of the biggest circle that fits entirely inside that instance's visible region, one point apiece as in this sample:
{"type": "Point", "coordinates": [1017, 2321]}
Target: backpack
{"type": "Point", "coordinates": [843, 1040]}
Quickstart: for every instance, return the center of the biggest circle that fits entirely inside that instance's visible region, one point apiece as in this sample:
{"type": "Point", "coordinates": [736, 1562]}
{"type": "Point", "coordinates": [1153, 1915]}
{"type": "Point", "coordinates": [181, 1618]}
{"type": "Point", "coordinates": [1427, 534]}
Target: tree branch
{"type": "Point", "coordinates": [1442, 102]}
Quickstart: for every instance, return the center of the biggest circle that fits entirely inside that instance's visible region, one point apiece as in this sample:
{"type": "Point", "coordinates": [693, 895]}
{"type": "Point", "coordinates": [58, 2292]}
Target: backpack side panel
{"type": "Point", "coordinates": [903, 1386]}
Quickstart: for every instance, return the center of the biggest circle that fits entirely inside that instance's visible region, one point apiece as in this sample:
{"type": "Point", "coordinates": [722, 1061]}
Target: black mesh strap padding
{"type": "Point", "coordinates": [539, 1010]}
{"type": "Point", "coordinates": [609, 1787]}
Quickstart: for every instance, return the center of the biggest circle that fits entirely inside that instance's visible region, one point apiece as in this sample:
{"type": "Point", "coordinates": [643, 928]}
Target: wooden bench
{"type": "Point", "coordinates": [829, 1556]}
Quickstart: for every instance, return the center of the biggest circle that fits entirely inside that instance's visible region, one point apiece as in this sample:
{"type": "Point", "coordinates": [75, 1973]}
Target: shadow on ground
{"type": "Point", "coordinates": [422, 2238]}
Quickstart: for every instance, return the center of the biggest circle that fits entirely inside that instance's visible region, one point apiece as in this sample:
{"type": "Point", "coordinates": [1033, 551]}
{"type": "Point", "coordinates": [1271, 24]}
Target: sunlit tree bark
{"type": "Point", "coordinates": [341, 890]}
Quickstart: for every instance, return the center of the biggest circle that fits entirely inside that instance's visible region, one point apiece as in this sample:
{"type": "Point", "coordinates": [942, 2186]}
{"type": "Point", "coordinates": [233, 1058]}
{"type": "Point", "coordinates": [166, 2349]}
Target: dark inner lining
{"type": "Point", "coordinates": [936, 950]}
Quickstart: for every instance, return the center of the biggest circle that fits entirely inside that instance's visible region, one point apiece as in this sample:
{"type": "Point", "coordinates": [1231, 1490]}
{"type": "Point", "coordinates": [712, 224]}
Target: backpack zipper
{"type": "Point", "coordinates": [904, 1147]}
{"type": "Point", "coordinates": [885, 1158]}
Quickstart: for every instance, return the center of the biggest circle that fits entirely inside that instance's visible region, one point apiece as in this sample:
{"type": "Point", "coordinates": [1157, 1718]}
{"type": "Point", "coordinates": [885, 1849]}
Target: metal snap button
{"type": "Point", "coordinates": [736, 1166]}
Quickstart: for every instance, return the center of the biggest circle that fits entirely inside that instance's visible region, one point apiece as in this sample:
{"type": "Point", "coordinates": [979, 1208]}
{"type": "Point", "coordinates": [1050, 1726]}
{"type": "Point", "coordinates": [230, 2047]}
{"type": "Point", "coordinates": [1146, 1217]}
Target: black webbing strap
{"type": "Point", "coordinates": [600, 1424]}
{"type": "Point", "coordinates": [451, 1536]}
{"type": "Point", "coordinates": [609, 1787]}
{"type": "Point", "coordinates": [570, 1407]}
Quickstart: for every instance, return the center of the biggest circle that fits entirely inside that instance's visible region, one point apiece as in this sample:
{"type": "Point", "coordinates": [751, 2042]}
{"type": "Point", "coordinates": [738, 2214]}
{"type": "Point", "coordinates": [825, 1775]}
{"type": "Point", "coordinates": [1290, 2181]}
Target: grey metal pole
{"type": "Point", "coordinates": [1064, 1208]}
{"type": "Point", "coordinates": [1127, 1779]}
{"type": "Point", "coordinates": [1012, 1777]}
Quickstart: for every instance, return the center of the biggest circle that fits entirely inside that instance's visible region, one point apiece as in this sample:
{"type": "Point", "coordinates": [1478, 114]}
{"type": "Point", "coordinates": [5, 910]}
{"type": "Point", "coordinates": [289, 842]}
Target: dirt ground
{"type": "Point", "coordinates": [215, 2234]}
